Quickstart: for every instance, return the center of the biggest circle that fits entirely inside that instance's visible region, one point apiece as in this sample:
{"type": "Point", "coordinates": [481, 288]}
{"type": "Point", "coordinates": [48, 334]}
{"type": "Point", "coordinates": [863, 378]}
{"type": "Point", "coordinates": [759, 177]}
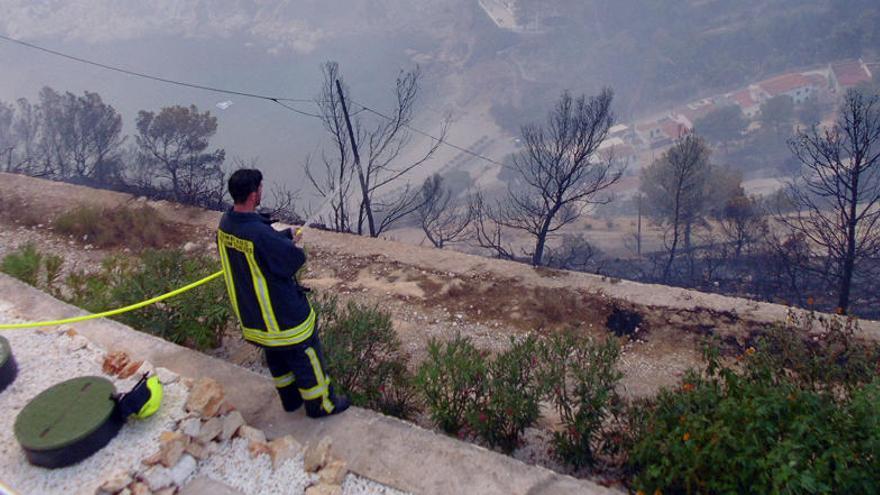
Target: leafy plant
{"type": "Point", "coordinates": [579, 377]}
{"type": "Point", "coordinates": [365, 358]}
{"type": "Point", "coordinates": [451, 380]}
{"type": "Point", "coordinates": [792, 417]}
{"type": "Point", "coordinates": [196, 320]}
{"type": "Point", "coordinates": [23, 264]}
{"type": "Point", "coordinates": [508, 403]}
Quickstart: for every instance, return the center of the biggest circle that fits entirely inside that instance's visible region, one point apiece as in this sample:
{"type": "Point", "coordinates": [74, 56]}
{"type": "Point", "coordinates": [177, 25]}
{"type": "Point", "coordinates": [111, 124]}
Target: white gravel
{"type": "Point", "coordinates": [44, 359]}
{"type": "Point", "coordinates": [233, 465]}
{"type": "Point", "coordinates": [48, 357]}
{"type": "Point", "coordinates": [355, 485]}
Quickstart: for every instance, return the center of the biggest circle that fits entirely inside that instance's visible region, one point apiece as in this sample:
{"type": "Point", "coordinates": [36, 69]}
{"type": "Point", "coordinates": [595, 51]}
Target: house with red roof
{"type": "Point", "coordinates": [798, 86]}
{"type": "Point", "coordinates": [664, 130]}
{"type": "Point", "coordinates": [696, 110]}
{"type": "Point", "coordinates": [820, 80]}
{"type": "Point", "coordinates": [848, 74]}
{"type": "Point", "coordinates": [748, 100]}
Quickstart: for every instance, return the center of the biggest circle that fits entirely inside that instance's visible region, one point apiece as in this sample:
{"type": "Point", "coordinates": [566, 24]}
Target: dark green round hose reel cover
{"type": "Point", "coordinates": [68, 422]}
{"type": "Point", "coordinates": [8, 366]}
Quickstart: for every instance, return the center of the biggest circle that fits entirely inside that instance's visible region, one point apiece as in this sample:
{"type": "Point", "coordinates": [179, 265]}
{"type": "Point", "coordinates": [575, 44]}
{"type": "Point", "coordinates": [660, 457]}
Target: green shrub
{"type": "Point", "coordinates": [91, 291]}
{"type": "Point", "coordinates": [365, 358]}
{"type": "Point", "coordinates": [31, 266]}
{"type": "Point", "coordinates": [451, 381]}
{"type": "Point", "coordinates": [508, 403]}
{"type": "Point", "coordinates": [579, 377]}
{"type": "Point", "coordinates": [196, 319]}
{"type": "Point", "coordinates": [776, 423]}
{"type": "Point", "coordinates": [136, 228]}
{"type": "Point", "coordinates": [23, 264]}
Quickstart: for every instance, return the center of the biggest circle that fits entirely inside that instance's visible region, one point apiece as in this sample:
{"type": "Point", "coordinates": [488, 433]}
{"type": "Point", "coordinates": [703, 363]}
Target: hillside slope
{"type": "Point", "coordinates": [434, 293]}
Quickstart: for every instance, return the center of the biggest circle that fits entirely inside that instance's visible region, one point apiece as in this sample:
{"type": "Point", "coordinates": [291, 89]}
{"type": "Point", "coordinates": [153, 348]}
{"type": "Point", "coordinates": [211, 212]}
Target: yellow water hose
{"type": "Point", "coordinates": [112, 312]}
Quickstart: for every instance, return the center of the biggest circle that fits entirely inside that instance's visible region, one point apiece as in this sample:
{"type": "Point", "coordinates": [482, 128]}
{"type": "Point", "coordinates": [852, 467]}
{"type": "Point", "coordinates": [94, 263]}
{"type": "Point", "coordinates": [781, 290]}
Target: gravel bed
{"type": "Point", "coordinates": [234, 466]}
{"type": "Point", "coordinates": [44, 359]}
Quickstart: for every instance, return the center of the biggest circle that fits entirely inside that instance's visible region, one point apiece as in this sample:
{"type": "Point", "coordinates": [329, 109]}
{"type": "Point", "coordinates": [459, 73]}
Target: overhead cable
{"type": "Point", "coordinates": [152, 77]}
{"type": "Point", "coordinates": [423, 133]}
{"type": "Point", "coordinates": [276, 99]}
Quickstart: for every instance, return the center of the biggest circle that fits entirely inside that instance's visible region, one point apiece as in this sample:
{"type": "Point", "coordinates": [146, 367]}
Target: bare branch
{"type": "Point", "coordinates": [559, 172]}
{"type": "Point", "coordinates": [837, 195]}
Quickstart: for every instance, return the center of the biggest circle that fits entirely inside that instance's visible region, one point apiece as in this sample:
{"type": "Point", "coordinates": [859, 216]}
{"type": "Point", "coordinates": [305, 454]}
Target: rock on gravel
{"type": "Point", "coordinates": [210, 430]}
{"type": "Point", "coordinates": [334, 472]}
{"type": "Point", "coordinates": [205, 398]}
{"type": "Point", "coordinates": [317, 455]}
{"type": "Point", "coordinates": [231, 423]}
{"type": "Point", "coordinates": [183, 469]}
{"type": "Point", "coordinates": [283, 449]}
{"type": "Point", "coordinates": [116, 482]}
{"type": "Point", "coordinates": [252, 434]}
{"type": "Point", "coordinates": [166, 376]}
{"type": "Point", "coordinates": [191, 426]}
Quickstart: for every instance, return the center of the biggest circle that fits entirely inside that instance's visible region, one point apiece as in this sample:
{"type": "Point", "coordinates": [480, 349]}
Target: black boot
{"type": "Point", "coordinates": [291, 401]}
{"type": "Point", "coordinates": [335, 404]}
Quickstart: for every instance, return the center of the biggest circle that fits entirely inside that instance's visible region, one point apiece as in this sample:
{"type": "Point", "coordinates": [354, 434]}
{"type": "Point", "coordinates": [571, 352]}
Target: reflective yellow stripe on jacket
{"type": "Point", "coordinates": [273, 336]}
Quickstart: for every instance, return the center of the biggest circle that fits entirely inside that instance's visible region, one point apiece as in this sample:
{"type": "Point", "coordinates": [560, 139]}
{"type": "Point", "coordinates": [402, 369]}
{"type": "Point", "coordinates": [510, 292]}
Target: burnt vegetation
{"type": "Point", "coordinates": [815, 243]}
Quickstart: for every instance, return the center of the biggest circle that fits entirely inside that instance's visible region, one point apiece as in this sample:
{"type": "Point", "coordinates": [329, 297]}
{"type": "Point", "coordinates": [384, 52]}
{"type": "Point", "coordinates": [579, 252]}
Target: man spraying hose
{"type": "Point", "coordinates": [260, 265]}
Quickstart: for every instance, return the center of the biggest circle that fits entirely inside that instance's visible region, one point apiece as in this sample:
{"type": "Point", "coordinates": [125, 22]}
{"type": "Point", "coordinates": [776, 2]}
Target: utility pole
{"type": "Point", "coordinates": [357, 161]}
{"type": "Point", "coordinates": [639, 234]}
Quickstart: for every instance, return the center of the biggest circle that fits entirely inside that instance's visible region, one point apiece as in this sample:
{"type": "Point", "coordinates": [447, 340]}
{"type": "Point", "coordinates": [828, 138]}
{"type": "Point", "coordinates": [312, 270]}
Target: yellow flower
{"type": "Point", "coordinates": [687, 387]}
{"type": "Point", "coordinates": [750, 351]}
{"type": "Point", "coordinates": [686, 436]}
{"type": "Point", "coordinates": [658, 492]}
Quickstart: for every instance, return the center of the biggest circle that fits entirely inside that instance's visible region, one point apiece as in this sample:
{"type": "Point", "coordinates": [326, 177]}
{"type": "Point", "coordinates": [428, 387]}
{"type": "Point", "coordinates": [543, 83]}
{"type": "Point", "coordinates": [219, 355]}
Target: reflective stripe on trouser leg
{"type": "Point", "coordinates": [279, 362]}
{"type": "Point", "coordinates": [322, 389]}
{"type": "Point", "coordinates": [284, 380]}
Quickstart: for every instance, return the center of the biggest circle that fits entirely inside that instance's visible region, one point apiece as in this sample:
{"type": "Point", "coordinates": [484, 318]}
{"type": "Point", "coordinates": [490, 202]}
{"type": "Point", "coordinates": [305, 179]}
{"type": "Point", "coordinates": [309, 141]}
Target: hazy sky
{"type": "Point", "coordinates": [479, 72]}
{"type": "Point", "coordinates": [264, 47]}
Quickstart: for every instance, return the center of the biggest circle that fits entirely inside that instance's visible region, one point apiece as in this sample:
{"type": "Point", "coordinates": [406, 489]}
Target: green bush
{"type": "Point", "coordinates": [91, 291]}
{"type": "Point", "coordinates": [196, 319]}
{"type": "Point", "coordinates": [508, 403]}
{"type": "Point", "coordinates": [579, 377]}
{"type": "Point", "coordinates": [365, 358]}
{"type": "Point", "coordinates": [23, 264]}
{"type": "Point", "coordinates": [31, 266]}
{"type": "Point", "coordinates": [775, 423]}
{"type": "Point", "coordinates": [451, 381]}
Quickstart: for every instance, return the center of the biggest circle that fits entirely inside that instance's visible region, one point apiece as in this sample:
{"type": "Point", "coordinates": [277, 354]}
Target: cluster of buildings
{"type": "Point", "coordinates": [824, 84]}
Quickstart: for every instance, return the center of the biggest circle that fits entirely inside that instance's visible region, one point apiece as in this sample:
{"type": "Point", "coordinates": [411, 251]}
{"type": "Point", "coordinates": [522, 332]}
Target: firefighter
{"type": "Point", "coordinates": [260, 265]}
